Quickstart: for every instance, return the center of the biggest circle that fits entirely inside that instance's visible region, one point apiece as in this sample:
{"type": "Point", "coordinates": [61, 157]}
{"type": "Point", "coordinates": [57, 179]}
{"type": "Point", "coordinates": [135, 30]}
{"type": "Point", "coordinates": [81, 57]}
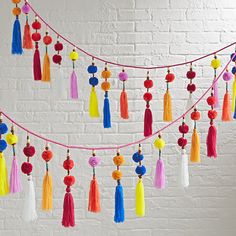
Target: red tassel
{"type": "Point", "coordinates": [94, 196]}
{"type": "Point", "coordinates": [27, 40]}
{"type": "Point", "coordinates": [68, 209]}
{"type": "Point", "coordinates": [147, 122]}
{"type": "Point", "coordinates": [37, 64]}
{"type": "Point", "coordinates": [211, 142]}
{"type": "Point", "coordinates": [124, 105]}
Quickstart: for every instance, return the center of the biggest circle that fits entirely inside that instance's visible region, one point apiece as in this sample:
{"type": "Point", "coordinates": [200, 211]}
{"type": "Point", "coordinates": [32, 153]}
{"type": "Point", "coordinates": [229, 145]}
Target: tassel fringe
{"type": "Point", "coordinates": [106, 112]}
{"type": "Point", "coordinates": [211, 142]}
{"type": "Point", "coordinates": [47, 192]}
{"type": "Point", "coordinates": [124, 113]}
{"type": "Point", "coordinates": [73, 86]}
{"type": "Point", "coordinates": [4, 185]}
{"type": "Point", "coordinates": [159, 179]}
{"type": "Point", "coordinates": [167, 115]}
{"type": "Point", "coordinates": [27, 40]}
{"type": "Point", "coordinates": [94, 197]}
{"type": "Point", "coordinates": [184, 173]}
{"type": "Point", "coordinates": [195, 147]}
{"type": "Point", "coordinates": [148, 122]}
{"type": "Point", "coordinates": [119, 216]}
{"type": "Point", "coordinates": [93, 104]}
{"type": "Point", "coordinates": [37, 65]}
{"type": "Point", "coordinates": [16, 38]}
{"type": "Point", "coordinates": [140, 202]}
{"type": "Point", "coordinates": [15, 183]}
{"type": "Point", "coordinates": [226, 110]}
{"type": "Point", "coordinates": [46, 77]}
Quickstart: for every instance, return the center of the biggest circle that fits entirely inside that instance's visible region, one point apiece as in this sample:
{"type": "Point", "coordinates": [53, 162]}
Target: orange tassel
{"type": "Point", "coordinates": [94, 197]}
{"type": "Point", "coordinates": [226, 110]}
{"type": "Point", "coordinates": [27, 40]}
{"type": "Point", "coordinates": [124, 105]}
{"type": "Point", "coordinates": [46, 69]}
{"type": "Point", "coordinates": [167, 115]}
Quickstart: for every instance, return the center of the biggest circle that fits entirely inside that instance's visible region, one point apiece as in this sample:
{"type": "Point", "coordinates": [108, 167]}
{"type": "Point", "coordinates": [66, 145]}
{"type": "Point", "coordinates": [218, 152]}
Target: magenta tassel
{"type": "Point", "coordinates": [211, 142]}
{"type": "Point", "coordinates": [216, 95]}
{"type": "Point", "coordinates": [147, 122]}
{"type": "Point", "coordinates": [73, 86]}
{"type": "Point", "coordinates": [15, 183]}
{"type": "Point", "coordinates": [159, 180]}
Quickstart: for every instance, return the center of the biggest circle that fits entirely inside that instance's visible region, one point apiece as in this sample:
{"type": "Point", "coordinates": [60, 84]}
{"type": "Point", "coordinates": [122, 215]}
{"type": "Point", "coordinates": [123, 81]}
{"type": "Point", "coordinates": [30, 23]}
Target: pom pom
{"type": "Point", "coordinates": [123, 76]}
{"type": "Point", "coordinates": [215, 63]}
{"type": "Point", "coordinates": [195, 115]}
{"type": "Point", "coordinates": [212, 114]}
{"type": "Point", "coordinates": [170, 77]}
{"type": "Point", "coordinates": [182, 142]}
{"type": "Point", "coordinates": [140, 170]}
{"type": "Point", "coordinates": [16, 11]}
{"type": "Point", "coordinates": [191, 87]}
{"type": "Point", "coordinates": [147, 97]}
{"type": "Point", "coordinates": [3, 145]}
{"type": "Point", "coordinates": [16, 1]}
{"type": "Point", "coordinates": [116, 175]}
{"type": "Point", "coordinates": [29, 151]}
{"type": "Point", "coordinates": [148, 83]}
{"type": "Point", "coordinates": [105, 86]}
{"type": "Point", "coordinates": [68, 164]}
{"type": "Point", "coordinates": [11, 139]}
{"type": "Point", "coordinates": [233, 57]}
{"type": "Point", "coordinates": [137, 157]}
{"type": "Point", "coordinates": [93, 81]}
{"type": "Point", "coordinates": [94, 161]}
{"type": "Point", "coordinates": [36, 37]}
{"type": "Point", "coordinates": [47, 155]}
{"type": "Point", "coordinates": [3, 128]}
{"type": "Point", "coordinates": [106, 74]}
{"type": "Point", "coordinates": [159, 143]}
{"type": "Point", "coordinates": [183, 129]}
{"type": "Point", "coordinates": [191, 74]}
{"type": "Point", "coordinates": [227, 76]}
{"type": "Point", "coordinates": [57, 59]}
{"type": "Point", "coordinates": [118, 160]}
{"type": "Point", "coordinates": [26, 168]}
{"type": "Point", "coordinates": [69, 180]}
{"type": "Point", "coordinates": [36, 25]}
{"type": "Point", "coordinates": [234, 70]}
{"type": "Point", "coordinates": [47, 40]}
{"type": "Point", "coordinates": [74, 55]}
{"type": "Point", "coordinates": [58, 46]}
{"type": "Point", "coordinates": [26, 9]}
{"type": "Point", "coordinates": [92, 69]}
{"type": "Point", "coordinates": [211, 101]}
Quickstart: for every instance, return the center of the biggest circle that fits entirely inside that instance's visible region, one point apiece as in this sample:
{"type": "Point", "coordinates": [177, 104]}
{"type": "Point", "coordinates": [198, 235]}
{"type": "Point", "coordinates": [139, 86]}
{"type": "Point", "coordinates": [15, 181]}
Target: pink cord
{"type": "Point", "coordinates": [124, 65]}
{"type": "Point", "coordinates": [128, 144]}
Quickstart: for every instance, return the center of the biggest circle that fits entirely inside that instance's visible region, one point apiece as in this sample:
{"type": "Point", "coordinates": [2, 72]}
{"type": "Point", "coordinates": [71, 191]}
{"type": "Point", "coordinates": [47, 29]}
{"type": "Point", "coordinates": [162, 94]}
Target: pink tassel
{"type": "Point", "coordinates": [68, 210]}
{"type": "Point", "coordinates": [159, 180]}
{"type": "Point", "coordinates": [37, 64]}
{"type": "Point", "coordinates": [15, 183]}
{"type": "Point", "coordinates": [216, 95]}
{"type": "Point", "coordinates": [147, 122]}
{"type": "Point", "coordinates": [73, 86]}
{"type": "Point", "coordinates": [211, 142]}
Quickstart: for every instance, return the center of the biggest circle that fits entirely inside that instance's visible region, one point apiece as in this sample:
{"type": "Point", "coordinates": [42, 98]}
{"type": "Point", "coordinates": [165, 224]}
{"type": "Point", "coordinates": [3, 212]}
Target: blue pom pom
{"type": "Point", "coordinates": [93, 81]}
{"type": "Point", "coordinates": [140, 170]}
{"type": "Point", "coordinates": [137, 157]}
{"type": "Point", "coordinates": [92, 69]}
{"type": "Point", "coordinates": [233, 59]}
{"type": "Point", "coordinates": [16, 38]}
{"type": "Point", "coordinates": [234, 70]}
{"type": "Point", "coordinates": [3, 145]}
{"type": "Point", "coordinates": [3, 128]}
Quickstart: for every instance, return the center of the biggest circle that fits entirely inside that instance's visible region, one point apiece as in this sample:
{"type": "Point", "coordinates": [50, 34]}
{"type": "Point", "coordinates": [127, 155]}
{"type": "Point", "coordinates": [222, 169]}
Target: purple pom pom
{"type": "Point", "coordinates": [227, 76]}
{"type": "Point", "coordinates": [26, 9]}
{"type": "Point", "coordinates": [94, 161]}
{"type": "Point", "coordinates": [123, 76]}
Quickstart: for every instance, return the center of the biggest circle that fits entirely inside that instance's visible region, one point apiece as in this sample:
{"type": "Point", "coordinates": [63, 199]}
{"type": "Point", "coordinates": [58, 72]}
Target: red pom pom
{"type": "Point", "coordinates": [68, 164]}
{"type": "Point", "coordinates": [191, 74]}
{"type": "Point", "coordinates": [57, 59]}
{"type": "Point", "coordinates": [47, 155]}
{"type": "Point", "coordinates": [58, 46]}
{"type": "Point", "coordinates": [182, 142]}
{"type": "Point", "coordinates": [212, 114]}
{"type": "Point", "coordinates": [47, 39]}
{"type": "Point", "coordinates": [148, 83]}
{"type": "Point", "coordinates": [36, 37]}
{"type": "Point", "coordinates": [69, 180]}
{"type": "Point", "coordinates": [191, 87]}
{"type": "Point", "coordinates": [26, 168]}
{"type": "Point", "coordinates": [211, 101]}
{"type": "Point", "coordinates": [170, 77]}
{"type": "Point", "coordinates": [195, 115]}
{"type": "Point", "coordinates": [29, 151]}
{"type": "Point", "coordinates": [147, 96]}
{"type": "Point", "coordinates": [36, 25]}
{"type": "Point", "coordinates": [183, 129]}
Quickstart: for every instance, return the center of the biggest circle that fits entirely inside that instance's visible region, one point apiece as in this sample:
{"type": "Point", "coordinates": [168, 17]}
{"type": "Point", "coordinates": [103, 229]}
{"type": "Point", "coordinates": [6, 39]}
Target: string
{"type": "Point", "coordinates": [118, 64]}
{"type": "Point", "coordinates": [127, 144]}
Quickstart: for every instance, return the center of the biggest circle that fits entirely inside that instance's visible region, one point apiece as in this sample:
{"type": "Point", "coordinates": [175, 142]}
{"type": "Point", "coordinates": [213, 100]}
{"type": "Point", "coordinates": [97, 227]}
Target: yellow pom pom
{"type": "Point", "coordinates": [11, 139]}
{"type": "Point", "coordinates": [159, 143]}
{"type": "Point", "coordinates": [215, 63]}
{"type": "Point", "coordinates": [74, 55]}
{"type": "Point", "coordinates": [116, 175]}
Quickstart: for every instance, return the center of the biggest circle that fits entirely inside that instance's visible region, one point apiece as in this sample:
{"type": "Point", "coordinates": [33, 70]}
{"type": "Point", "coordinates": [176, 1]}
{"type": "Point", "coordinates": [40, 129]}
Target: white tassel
{"type": "Point", "coordinates": [183, 172]}
{"type": "Point", "coordinates": [189, 104]}
{"type": "Point", "coordinates": [29, 210]}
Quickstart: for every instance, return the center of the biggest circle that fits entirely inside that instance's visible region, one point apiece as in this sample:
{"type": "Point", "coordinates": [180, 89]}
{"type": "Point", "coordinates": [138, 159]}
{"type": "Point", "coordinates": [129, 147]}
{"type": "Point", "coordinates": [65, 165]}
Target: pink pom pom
{"type": "Point", "coordinates": [123, 76]}
{"type": "Point", "coordinates": [25, 9]}
{"type": "Point", "coordinates": [227, 76]}
{"type": "Point", "coordinates": [94, 161]}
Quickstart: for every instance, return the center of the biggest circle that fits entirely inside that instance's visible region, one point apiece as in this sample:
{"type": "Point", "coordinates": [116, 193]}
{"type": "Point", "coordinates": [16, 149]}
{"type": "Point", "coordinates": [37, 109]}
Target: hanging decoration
{"type": "Point", "coordinates": [93, 102]}
{"type": "Point", "coordinates": [47, 193]}
{"type": "Point", "coordinates": [27, 40]}
{"type": "Point", "coordinates": [233, 58]}
{"type": "Point", "coordinates": [182, 142]}
{"type": "Point", "coordinates": [106, 74]}
{"type": "Point", "coordinates": [73, 79]}
{"type": "Point", "coordinates": [167, 115]}
{"type": "Point", "coordinates": [160, 178]}
{"type": "Point", "coordinates": [94, 194]}
{"type": "Point", "coordinates": [36, 37]}
{"type": "Point", "coordinates": [124, 110]}
{"type": "Point", "coordinates": [57, 58]}
{"type": "Point", "coordinates": [15, 182]}
{"type": "Point", "coordinates": [29, 210]}
{"type": "Point", "coordinates": [148, 83]}
{"type": "Point", "coordinates": [119, 216]}
{"type": "Point", "coordinates": [68, 219]}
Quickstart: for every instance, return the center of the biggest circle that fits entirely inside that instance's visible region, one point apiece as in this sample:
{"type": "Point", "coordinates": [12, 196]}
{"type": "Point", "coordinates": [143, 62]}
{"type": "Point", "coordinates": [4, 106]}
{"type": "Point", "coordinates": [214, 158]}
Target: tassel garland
{"type": "Point", "coordinates": [73, 79]}
{"type": "Point", "coordinates": [124, 111]}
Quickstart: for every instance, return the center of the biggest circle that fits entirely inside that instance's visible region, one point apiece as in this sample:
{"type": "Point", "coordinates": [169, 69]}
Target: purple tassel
{"type": "Point", "coordinates": [216, 95]}
{"type": "Point", "coordinates": [73, 86]}
{"type": "Point", "coordinates": [160, 181]}
{"type": "Point", "coordinates": [15, 183]}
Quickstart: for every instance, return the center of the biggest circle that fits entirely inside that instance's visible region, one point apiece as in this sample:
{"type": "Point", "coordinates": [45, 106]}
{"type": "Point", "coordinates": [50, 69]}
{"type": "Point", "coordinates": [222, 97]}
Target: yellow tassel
{"type": "Point", "coordinates": [4, 185]}
{"type": "Point", "coordinates": [167, 115]}
{"type": "Point", "coordinates": [47, 192]}
{"type": "Point", "coordinates": [140, 202]}
{"type": "Point", "coordinates": [93, 104]}
{"type": "Point", "coordinates": [195, 147]}
{"type": "Point", "coordinates": [46, 77]}
{"type": "Point", "coordinates": [234, 94]}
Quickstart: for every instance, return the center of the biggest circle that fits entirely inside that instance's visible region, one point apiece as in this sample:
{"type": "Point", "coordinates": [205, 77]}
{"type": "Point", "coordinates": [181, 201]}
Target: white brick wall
{"type": "Point", "coordinates": [135, 32]}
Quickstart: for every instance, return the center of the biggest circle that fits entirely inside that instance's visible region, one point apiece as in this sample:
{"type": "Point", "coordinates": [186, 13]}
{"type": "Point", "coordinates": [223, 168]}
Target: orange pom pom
{"type": "Point", "coordinates": [105, 86]}
{"type": "Point", "coordinates": [16, 1]}
{"type": "Point", "coordinates": [16, 11]}
{"type": "Point", "coordinates": [116, 175]}
{"type": "Point", "coordinates": [106, 74]}
{"type": "Point", "coordinates": [118, 160]}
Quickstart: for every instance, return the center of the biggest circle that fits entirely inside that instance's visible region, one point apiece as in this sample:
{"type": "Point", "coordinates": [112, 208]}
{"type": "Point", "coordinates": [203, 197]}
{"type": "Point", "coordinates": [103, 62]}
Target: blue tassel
{"type": "Point", "coordinates": [16, 38]}
{"type": "Point", "coordinates": [106, 112]}
{"type": "Point", "coordinates": [119, 205]}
